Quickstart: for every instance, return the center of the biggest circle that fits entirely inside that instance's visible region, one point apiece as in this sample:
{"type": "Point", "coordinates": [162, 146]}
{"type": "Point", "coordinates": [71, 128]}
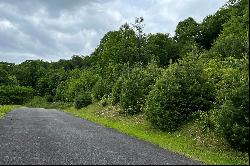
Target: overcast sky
{"type": "Point", "coordinates": [57, 29]}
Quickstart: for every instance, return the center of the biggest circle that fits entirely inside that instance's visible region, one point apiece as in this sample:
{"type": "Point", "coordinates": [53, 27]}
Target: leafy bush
{"type": "Point", "coordinates": [100, 89]}
{"type": "Point", "coordinates": [116, 91]}
{"type": "Point", "coordinates": [234, 96]}
{"type": "Point", "coordinates": [136, 86]}
{"type": "Point", "coordinates": [49, 98]}
{"type": "Point", "coordinates": [131, 98]}
{"type": "Point", "coordinates": [230, 77]}
{"type": "Point", "coordinates": [183, 88]}
{"type": "Point", "coordinates": [234, 120]}
{"type": "Point", "coordinates": [105, 101]}
{"type": "Point", "coordinates": [60, 91]}
{"type": "Point", "coordinates": [74, 86]}
{"type": "Point", "coordinates": [82, 100]}
{"type": "Point", "coordinates": [37, 101]}
{"type": "Point", "coordinates": [15, 94]}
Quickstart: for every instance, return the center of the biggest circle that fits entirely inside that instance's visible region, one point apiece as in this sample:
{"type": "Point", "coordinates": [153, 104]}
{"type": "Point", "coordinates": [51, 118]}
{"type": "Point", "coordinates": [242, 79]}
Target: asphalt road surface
{"type": "Point", "coordinates": [48, 136]}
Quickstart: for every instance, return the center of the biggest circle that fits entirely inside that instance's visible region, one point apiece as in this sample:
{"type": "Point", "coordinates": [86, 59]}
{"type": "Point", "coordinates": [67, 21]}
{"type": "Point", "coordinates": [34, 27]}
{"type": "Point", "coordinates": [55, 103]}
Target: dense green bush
{"type": "Point", "coordinates": [105, 101]}
{"type": "Point", "coordinates": [15, 94]}
{"type": "Point", "coordinates": [37, 101]}
{"type": "Point", "coordinates": [70, 89]}
{"type": "Point", "coordinates": [131, 98]}
{"type": "Point", "coordinates": [60, 91]}
{"type": "Point", "coordinates": [136, 86]}
{"type": "Point", "coordinates": [234, 119]}
{"type": "Point", "coordinates": [234, 98]}
{"type": "Point", "coordinates": [100, 89]}
{"type": "Point", "coordinates": [231, 80]}
{"type": "Point", "coordinates": [82, 100]}
{"type": "Point", "coordinates": [183, 88]}
{"type": "Point", "coordinates": [116, 91]}
{"type": "Point", "coordinates": [49, 98]}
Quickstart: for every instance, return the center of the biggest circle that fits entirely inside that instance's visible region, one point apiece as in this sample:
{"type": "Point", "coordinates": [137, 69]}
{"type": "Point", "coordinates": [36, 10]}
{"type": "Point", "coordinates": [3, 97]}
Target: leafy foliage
{"type": "Point", "coordinates": [234, 119]}
{"type": "Point", "coordinates": [135, 86]}
{"type": "Point", "coordinates": [163, 48]}
{"type": "Point", "coordinates": [116, 91]}
{"type": "Point", "coordinates": [100, 88]}
{"type": "Point", "coordinates": [15, 94]}
{"type": "Point", "coordinates": [181, 90]}
{"type": "Point", "coordinates": [234, 38]}
{"type": "Point", "coordinates": [82, 100]}
{"type": "Point", "coordinates": [74, 86]}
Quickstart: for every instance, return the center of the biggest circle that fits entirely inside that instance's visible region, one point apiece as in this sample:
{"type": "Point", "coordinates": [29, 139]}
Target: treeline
{"type": "Point", "coordinates": [202, 70]}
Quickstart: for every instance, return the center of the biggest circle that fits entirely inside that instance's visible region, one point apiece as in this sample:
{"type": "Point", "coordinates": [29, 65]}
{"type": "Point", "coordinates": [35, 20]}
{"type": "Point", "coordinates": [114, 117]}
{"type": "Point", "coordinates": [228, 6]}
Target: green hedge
{"type": "Point", "coordinates": [15, 94]}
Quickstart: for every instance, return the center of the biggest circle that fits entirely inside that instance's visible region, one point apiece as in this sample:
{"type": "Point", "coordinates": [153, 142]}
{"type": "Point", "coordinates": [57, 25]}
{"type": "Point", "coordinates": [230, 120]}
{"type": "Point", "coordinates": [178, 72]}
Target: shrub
{"type": "Point", "coordinates": [60, 91]}
{"type": "Point", "coordinates": [82, 100]}
{"type": "Point", "coordinates": [15, 94]}
{"type": "Point", "coordinates": [37, 101]}
{"type": "Point", "coordinates": [183, 89]}
{"type": "Point", "coordinates": [234, 113]}
{"type": "Point", "coordinates": [105, 101]}
{"type": "Point", "coordinates": [135, 87]}
{"type": "Point", "coordinates": [100, 89]}
{"type": "Point", "coordinates": [49, 98]}
{"type": "Point", "coordinates": [132, 94]}
{"type": "Point", "coordinates": [234, 123]}
{"type": "Point", "coordinates": [75, 86]}
{"type": "Point", "coordinates": [116, 91]}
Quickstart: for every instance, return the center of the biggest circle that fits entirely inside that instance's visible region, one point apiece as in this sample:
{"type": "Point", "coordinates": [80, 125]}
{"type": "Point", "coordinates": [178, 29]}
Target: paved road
{"type": "Point", "coordinates": [48, 136]}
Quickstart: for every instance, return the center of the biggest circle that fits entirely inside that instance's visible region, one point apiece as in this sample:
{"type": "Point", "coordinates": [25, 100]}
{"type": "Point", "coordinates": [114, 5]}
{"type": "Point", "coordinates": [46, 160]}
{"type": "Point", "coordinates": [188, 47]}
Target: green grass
{"type": "Point", "coordinates": [4, 109]}
{"type": "Point", "coordinates": [190, 140]}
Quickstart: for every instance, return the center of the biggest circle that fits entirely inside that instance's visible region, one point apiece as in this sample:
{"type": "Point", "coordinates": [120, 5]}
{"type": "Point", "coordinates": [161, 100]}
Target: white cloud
{"type": "Point", "coordinates": [53, 30]}
{"type": "Point", "coordinates": [5, 25]}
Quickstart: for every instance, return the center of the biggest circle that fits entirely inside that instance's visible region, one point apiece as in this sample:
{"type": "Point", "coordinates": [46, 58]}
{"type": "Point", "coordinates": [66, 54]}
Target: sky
{"type": "Point", "coordinates": [50, 30]}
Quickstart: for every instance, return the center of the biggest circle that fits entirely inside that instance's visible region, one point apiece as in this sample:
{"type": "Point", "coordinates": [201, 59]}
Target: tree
{"type": "Point", "coordinates": [117, 47]}
{"type": "Point", "coordinates": [187, 31]}
{"type": "Point", "coordinates": [211, 27]}
{"type": "Point", "coordinates": [77, 61]}
{"type": "Point", "coordinates": [163, 48]}
{"type": "Point", "coordinates": [28, 72]}
{"type": "Point", "coordinates": [141, 39]}
{"type": "Point", "coordinates": [186, 34]}
{"type": "Point", "coordinates": [234, 38]}
{"type": "Point", "coordinates": [7, 76]}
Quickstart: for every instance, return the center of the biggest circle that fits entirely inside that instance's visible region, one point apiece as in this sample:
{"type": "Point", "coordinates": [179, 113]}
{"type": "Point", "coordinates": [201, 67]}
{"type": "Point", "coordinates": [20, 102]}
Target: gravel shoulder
{"type": "Point", "coordinates": [48, 136]}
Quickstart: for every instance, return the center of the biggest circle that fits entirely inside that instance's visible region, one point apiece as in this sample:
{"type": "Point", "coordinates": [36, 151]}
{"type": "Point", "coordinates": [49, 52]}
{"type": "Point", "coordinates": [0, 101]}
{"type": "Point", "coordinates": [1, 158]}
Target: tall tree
{"type": "Point", "coordinates": [211, 27]}
{"type": "Point", "coordinates": [163, 48]}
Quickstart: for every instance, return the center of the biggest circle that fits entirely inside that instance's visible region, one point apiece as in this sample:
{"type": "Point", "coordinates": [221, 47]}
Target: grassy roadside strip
{"type": "Point", "coordinates": [4, 109]}
{"type": "Point", "coordinates": [188, 141]}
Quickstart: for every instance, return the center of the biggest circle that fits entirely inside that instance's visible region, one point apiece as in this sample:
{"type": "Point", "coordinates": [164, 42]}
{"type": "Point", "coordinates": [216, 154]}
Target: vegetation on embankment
{"type": "Point", "coordinates": [4, 109]}
{"type": "Point", "coordinates": [191, 140]}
